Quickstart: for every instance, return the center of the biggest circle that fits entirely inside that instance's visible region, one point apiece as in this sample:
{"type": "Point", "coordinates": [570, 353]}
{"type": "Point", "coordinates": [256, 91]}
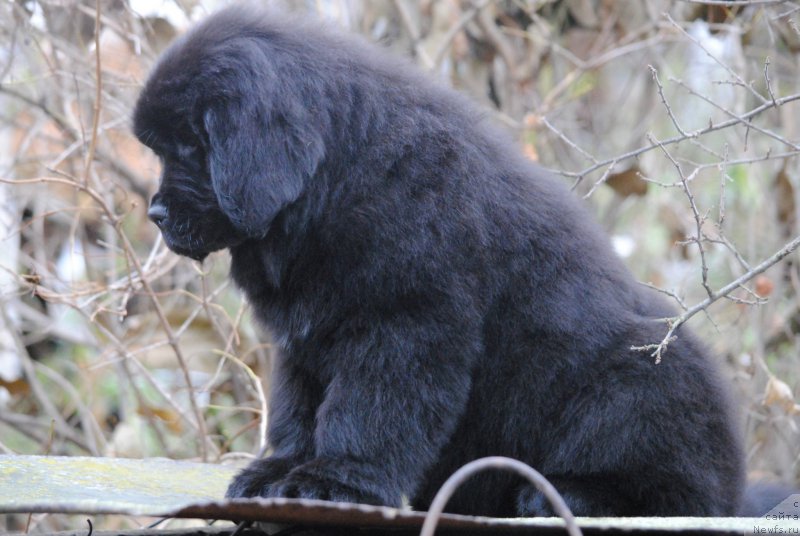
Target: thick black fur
{"type": "Point", "coordinates": [437, 297]}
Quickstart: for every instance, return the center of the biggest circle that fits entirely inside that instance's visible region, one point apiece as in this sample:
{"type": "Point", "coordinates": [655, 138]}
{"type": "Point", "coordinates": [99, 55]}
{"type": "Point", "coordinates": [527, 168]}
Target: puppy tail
{"type": "Point", "coordinates": [761, 497]}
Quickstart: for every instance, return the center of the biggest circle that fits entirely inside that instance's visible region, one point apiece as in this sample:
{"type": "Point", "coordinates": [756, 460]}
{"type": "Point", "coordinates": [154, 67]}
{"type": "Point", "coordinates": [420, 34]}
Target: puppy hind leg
{"type": "Point", "coordinates": [584, 496]}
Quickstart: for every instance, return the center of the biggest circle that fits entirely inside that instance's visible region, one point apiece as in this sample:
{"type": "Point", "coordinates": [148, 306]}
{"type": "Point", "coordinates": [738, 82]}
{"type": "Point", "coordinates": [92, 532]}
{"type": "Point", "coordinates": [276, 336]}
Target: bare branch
{"type": "Point", "coordinates": [672, 117]}
{"type": "Point", "coordinates": [451, 34]}
{"type": "Point", "coordinates": [725, 66]}
{"type": "Point", "coordinates": [676, 322]}
{"type": "Point", "coordinates": [677, 139]}
{"type": "Point", "coordinates": [98, 96]}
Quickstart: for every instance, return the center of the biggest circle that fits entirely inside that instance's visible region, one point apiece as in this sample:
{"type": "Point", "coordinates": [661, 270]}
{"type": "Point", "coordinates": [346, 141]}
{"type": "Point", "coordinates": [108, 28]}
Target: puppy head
{"type": "Point", "coordinates": [225, 110]}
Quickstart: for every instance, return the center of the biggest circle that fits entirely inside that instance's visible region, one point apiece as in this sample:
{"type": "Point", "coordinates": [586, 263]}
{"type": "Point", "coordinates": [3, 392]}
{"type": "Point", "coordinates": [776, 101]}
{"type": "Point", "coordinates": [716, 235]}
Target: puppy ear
{"type": "Point", "coordinates": [260, 159]}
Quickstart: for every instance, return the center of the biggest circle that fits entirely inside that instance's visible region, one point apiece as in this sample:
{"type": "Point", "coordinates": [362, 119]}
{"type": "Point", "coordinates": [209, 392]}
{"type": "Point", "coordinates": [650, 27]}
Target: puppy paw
{"type": "Point", "coordinates": [338, 481]}
{"type": "Point", "coordinates": [583, 498]}
{"type": "Point", "coordinates": [299, 486]}
{"type": "Point", "coordinates": [256, 479]}
{"type": "Point", "coordinates": [532, 503]}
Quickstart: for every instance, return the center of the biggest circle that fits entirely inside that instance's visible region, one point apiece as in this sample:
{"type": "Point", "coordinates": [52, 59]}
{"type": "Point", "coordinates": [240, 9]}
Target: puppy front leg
{"type": "Point", "coordinates": [294, 399]}
{"type": "Point", "coordinates": [394, 401]}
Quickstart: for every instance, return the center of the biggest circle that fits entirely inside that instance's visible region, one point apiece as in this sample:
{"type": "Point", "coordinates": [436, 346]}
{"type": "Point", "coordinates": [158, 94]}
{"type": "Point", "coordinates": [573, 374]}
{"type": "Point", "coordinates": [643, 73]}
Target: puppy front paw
{"type": "Point", "coordinates": [302, 486]}
{"type": "Point", "coordinates": [255, 480]}
{"type": "Point", "coordinates": [338, 481]}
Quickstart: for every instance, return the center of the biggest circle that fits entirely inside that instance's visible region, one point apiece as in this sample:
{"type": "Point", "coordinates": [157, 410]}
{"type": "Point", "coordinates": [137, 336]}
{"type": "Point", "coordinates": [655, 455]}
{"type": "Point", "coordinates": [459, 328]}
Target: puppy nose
{"type": "Point", "coordinates": [157, 213]}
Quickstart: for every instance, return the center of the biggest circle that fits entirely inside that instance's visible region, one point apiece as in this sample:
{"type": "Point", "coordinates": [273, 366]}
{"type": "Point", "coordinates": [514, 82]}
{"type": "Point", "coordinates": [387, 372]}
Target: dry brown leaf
{"type": "Point", "coordinates": [18, 387]}
{"type": "Point", "coordinates": [784, 199]}
{"type": "Point", "coordinates": [628, 182]}
{"type": "Point", "coordinates": [764, 286]}
{"type": "Point", "coordinates": [169, 417]}
{"type": "Point", "coordinates": [779, 394]}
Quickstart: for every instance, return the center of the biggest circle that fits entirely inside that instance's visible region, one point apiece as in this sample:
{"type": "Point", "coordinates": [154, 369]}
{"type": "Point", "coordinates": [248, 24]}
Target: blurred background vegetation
{"type": "Point", "coordinates": [677, 121]}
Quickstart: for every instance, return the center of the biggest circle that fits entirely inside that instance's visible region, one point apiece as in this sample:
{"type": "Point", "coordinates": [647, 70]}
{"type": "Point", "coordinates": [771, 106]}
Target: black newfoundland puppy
{"type": "Point", "coordinates": [436, 297]}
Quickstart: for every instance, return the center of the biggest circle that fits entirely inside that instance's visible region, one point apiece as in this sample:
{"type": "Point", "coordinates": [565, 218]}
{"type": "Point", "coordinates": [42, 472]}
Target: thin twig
{"type": "Point", "coordinates": [740, 119]}
{"type": "Point", "coordinates": [451, 34]}
{"type": "Point", "coordinates": [669, 293]}
{"type": "Point", "coordinates": [579, 175]}
{"type": "Point", "coordinates": [735, 3]}
{"type": "Point", "coordinates": [130, 252]}
{"type": "Point", "coordinates": [568, 141]}
{"type": "Point", "coordinates": [412, 28]}
{"type": "Point", "coordinates": [41, 394]}
{"type": "Point", "coordinates": [485, 22]}
{"type": "Point", "coordinates": [722, 64]}
{"type": "Point", "coordinates": [767, 80]}
{"type": "Point", "coordinates": [676, 322]}
{"type": "Point", "coordinates": [698, 219]}
{"type": "Point", "coordinates": [672, 117]}
{"type": "Point", "coordinates": [263, 414]}
{"type": "Point", "coordinates": [98, 96]}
